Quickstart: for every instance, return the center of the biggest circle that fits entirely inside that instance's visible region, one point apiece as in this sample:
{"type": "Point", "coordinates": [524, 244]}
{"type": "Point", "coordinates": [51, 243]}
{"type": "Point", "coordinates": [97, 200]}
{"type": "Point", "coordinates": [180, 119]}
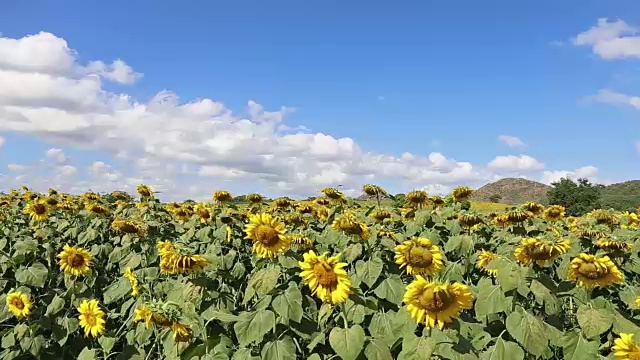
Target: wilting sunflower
{"type": "Point", "coordinates": [539, 251]}
{"type": "Point", "coordinates": [435, 303]}
{"type": "Point", "coordinates": [38, 210]}
{"type": "Point", "coordinates": [19, 304]}
{"type": "Point", "coordinates": [321, 212]}
{"type": "Point", "coordinates": [554, 212]}
{"type": "Point", "coordinates": [419, 256]}
{"type": "Point", "coordinates": [144, 190]}
{"type": "Point", "coordinates": [533, 207]}
{"type": "Point", "coordinates": [373, 190]}
{"type": "Point", "coordinates": [283, 202]}
{"type": "Point", "coordinates": [518, 215]}
{"type": "Point", "coordinates": [437, 201]}
{"type": "Point", "coordinates": [52, 201]}
{"type": "Point", "coordinates": [629, 220]}
{"type": "Point", "coordinates": [301, 242]}
{"type": "Point", "coordinates": [74, 261]}
{"type": "Point", "coordinates": [255, 198]}
{"type": "Point", "coordinates": [67, 206]}
{"type": "Point", "coordinates": [625, 348]}
{"type": "Point", "coordinates": [129, 275]}
{"type": "Point", "coordinates": [267, 234]}
{"type": "Point", "coordinates": [304, 208]}
{"type": "Point", "coordinates": [180, 331]}
{"type": "Point", "coordinates": [408, 213]}
{"type": "Point", "coordinates": [222, 196]}
{"type": "Point", "coordinates": [484, 258]}
{"type": "Point", "coordinates": [322, 201]}
{"type": "Point", "coordinates": [202, 210]}
{"type": "Point", "coordinates": [91, 318]}
{"type": "Point", "coordinates": [97, 209]}
{"type": "Point", "coordinates": [610, 244]}
{"type": "Point", "coordinates": [326, 277]}
{"type": "Point", "coordinates": [120, 195]}
{"type": "Point", "coordinates": [380, 215]}
{"type": "Point", "coordinates": [174, 260]}
{"type": "Point", "coordinates": [128, 226]}
{"type": "Point", "coordinates": [90, 196]}
{"type": "Point", "coordinates": [182, 214]}
{"type": "Point", "coordinates": [417, 198]}
{"type": "Point", "coordinates": [602, 216]}
{"type": "Point", "coordinates": [590, 271]}
{"type": "Point", "coordinates": [385, 233]}
{"type": "Point", "coordinates": [469, 219]}
{"type": "Point", "coordinates": [350, 225]}
{"type": "Point", "coordinates": [501, 220]}
{"type": "Point", "coordinates": [461, 193]}
{"type": "Point", "coordinates": [333, 194]}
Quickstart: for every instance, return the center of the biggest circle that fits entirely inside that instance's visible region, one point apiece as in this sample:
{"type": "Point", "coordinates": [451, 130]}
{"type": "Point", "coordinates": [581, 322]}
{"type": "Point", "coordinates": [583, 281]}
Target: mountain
{"type": "Point", "coordinates": [512, 191]}
{"type": "Point", "coordinates": [622, 196]}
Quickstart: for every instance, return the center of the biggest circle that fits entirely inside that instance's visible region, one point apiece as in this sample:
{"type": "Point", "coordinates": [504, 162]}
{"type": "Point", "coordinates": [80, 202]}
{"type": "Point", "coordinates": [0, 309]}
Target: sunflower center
{"type": "Point", "coordinates": [39, 209]}
{"type": "Point", "coordinates": [52, 201]}
{"type": "Point", "coordinates": [420, 256]}
{"type": "Point", "coordinates": [540, 252]}
{"type": "Point", "coordinates": [325, 274]}
{"type": "Point", "coordinates": [75, 260]}
{"type": "Point", "coordinates": [128, 228]}
{"type": "Point", "coordinates": [90, 318]}
{"type": "Point", "coordinates": [434, 301]}
{"type": "Point", "coordinates": [589, 270]}
{"type": "Point", "coordinates": [203, 213]}
{"type": "Point", "coordinates": [267, 235]}
{"type": "Point", "coordinates": [18, 304]}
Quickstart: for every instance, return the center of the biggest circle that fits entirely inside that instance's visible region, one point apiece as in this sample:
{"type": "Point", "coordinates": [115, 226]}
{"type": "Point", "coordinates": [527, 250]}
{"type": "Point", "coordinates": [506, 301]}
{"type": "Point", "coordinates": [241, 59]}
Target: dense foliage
{"type": "Point", "coordinates": [622, 196]}
{"type": "Point", "coordinates": [577, 197]}
{"type": "Point", "coordinates": [112, 277]}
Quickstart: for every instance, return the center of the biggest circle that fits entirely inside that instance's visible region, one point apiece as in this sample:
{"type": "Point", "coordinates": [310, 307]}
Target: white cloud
{"type": "Point", "coordinates": [118, 72]}
{"type": "Point", "coordinates": [511, 141]}
{"type": "Point", "coordinates": [57, 155]}
{"type": "Point", "coordinates": [42, 53]}
{"type": "Point", "coordinates": [515, 163]}
{"type": "Point", "coordinates": [66, 170]}
{"type": "Point", "coordinates": [611, 39]}
{"type": "Point", "coordinates": [17, 168]}
{"type": "Point", "coordinates": [588, 172]}
{"type": "Point", "coordinates": [614, 98]}
{"type": "Point", "coordinates": [2, 141]}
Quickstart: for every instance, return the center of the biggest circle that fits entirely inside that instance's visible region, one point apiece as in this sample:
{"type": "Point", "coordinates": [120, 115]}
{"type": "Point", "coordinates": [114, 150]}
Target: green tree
{"type": "Point", "coordinates": [577, 197]}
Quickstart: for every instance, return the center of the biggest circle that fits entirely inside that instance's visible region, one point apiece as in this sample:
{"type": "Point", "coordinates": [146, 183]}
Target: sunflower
{"type": "Point", "coordinates": [144, 190]}
{"type": "Point", "coordinates": [53, 191]}
{"type": "Point", "coordinates": [408, 213]}
{"type": "Point", "coordinates": [630, 220]}
{"type": "Point", "coordinates": [51, 201]}
{"type": "Point", "coordinates": [350, 225]}
{"type": "Point", "coordinates": [182, 214]}
{"type": "Point", "coordinates": [637, 301]}
{"type": "Point", "coordinates": [613, 245]}
{"type": "Point", "coordinates": [90, 196]}
{"type": "Point", "coordinates": [304, 208]}
{"type": "Point", "coordinates": [322, 201]}
{"type": "Point", "coordinates": [461, 193]}
{"type": "Point", "coordinates": [437, 201]}
{"type": "Point", "coordinates": [484, 258]}
{"type": "Point", "coordinates": [417, 198]}
{"type": "Point", "coordinates": [74, 260]}
{"type": "Point", "coordinates": [91, 318]}
{"type": "Point", "coordinates": [518, 215]}
{"type": "Point", "coordinates": [38, 210]}
{"type": "Point", "coordinates": [172, 206]}
{"type": "Point", "coordinates": [469, 219]}
{"type": "Point", "coordinates": [267, 234]}
{"type": "Point", "coordinates": [625, 348]}
{"type": "Point", "coordinates": [129, 275]}
{"type": "Point", "coordinates": [28, 195]}
{"type": "Point", "coordinates": [380, 215]}
{"type": "Point", "coordinates": [66, 206]}
{"type": "Point", "coordinates": [385, 233]}
{"type": "Point", "coordinates": [419, 256]}
{"type": "Point", "coordinates": [97, 209]}
{"type": "Point", "coordinates": [301, 241]}
{"type": "Point", "coordinates": [294, 219]}
{"type": "Point", "coordinates": [229, 236]}
{"type": "Point", "coordinates": [501, 220]}
{"type": "Point", "coordinates": [282, 202]}
{"type": "Point", "coordinates": [255, 198]}
{"type": "Point", "coordinates": [539, 251]}
{"type": "Point", "coordinates": [128, 227]}
{"type": "Point", "coordinates": [590, 271]}
{"type": "Point", "coordinates": [554, 212]}
{"type": "Point", "coordinates": [321, 212]}
{"type": "Point", "coordinates": [143, 313]}
{"type": "Point", "coordinates": [373, 190]}
{"type": "Point", "coordinates": [333, 194]}
{"type": "Point", "coordinates": [120, 195]}
{"type": "Point", "coordinates": [174, 261]}
{"type": "Point", "coordinates": [222, 196]}
{"type": "Point", "coordinates": [435, 303]}
{"type": "Point", "coordinates": [602, 216]}
{"type": "Point", "coordinates": [326, 277]}
{"type": "Point", "coordinates": [180, 331]}
{"type": "Point", "coordinates": [533, 207]}
{"type": "Point", "coordinates": [202, 210]}
{"type": "Point", "coordinates": [19, 304]}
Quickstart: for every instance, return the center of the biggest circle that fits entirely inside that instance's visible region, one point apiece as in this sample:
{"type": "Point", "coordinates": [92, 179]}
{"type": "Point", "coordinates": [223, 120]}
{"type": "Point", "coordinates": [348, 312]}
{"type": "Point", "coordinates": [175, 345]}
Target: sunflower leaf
{"type": "Point", "coordinates": [576, 347]}
{"type": "Point", "coordinates": [34, 275]}
{"type": "Point", "coordinates": [87, 354]}
{"type": "Point", "coordinates": [490, 298]}
{"type": "Point", "coordinates": [116, 291]}
{"type": "Point", "coordinates": [284, 349]}
{"type": "Point", "coordinates": [391, 289]}
{"type": "Point", "coordinates": [503, 350]}
{"type": "Point", "coordinates": [347, 343]}
{"type": "Point", "coordinates": [289, 304]}
{"type": "Point", "coordinates": [528, 330]}
{"type": "Point", "coordinates": [417, 348]}
{"type": "Point", "coordinates": [369, 271]}
{"type": "Point", "coordinates": [593, 321]}
{"type": "Point", "coordinates": [252, 326]}
{"type": "Point", "coordinates": [377, 350]}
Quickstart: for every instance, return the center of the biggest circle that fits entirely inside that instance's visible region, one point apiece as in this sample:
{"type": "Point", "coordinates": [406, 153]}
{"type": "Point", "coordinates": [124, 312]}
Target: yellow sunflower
{"type": "Point", "coordinates": [202, 210]}
{"type": "Point", "coordinates": [384, 233]}
{"type": "Point", "coordinates": [326, 277]}
{"type": "Point", "coordinates": [180, 331]}
{"type": "Point", "coordinates": [172, 261]}
{"type": "Point", "coordinates": [435, 303]}
{"type": "Point", "coordinates": [90, 196]}
{"type": "Point", "coordinates": [373, 190]}
{"type": "Point", "coordinates": [380, 215]}
{"type": "Point", "coordinates": [129, 275]}
{"type": "Point", "coordinates": [91, 318]}
{"type": "Point", "coordinates": [533, 207]}
{"type": "Point", "coordinates": [590, 271]}
{"type": "Point", "coordinates": [222, 196]}
{"type": "Point", "coordinates": [120, 195]}
{"type": "Point", "coordinates": [417, 198]}
{"type": "Point", "coordinates": [301, 241]}
{"type": "Point", "coordinates": [333, 194]}
{"type": "Point", "coordinates": [74, 261]}
{"type": "Point", "coordinates": [182, 214]}
{"type": "Point", "coordinates": [484, 258]}
{"type": "Point", "coordinates": [51, 201]}
{"type": "Point", "coordinates": [38, 210]}
{"type": "Point", "coordinates": [255, 198]}
{"type": "Point", "coordinates": [267, 234]}
{"type": "Point", "coordinates": [461, 193]}
{"type": "Point", "coordinates": [637, 301]}
{"type": "Point", "coordinates": [97, 209]}
{"type": "Point", "coordinates": [554, 212]}
{"type": "Point", "coordinates": [625, 348]}
{"type": "Point", "coordinates": [539, 251]}
{"type": "Point", "coordinates": [229, 236]}
{"type": "Point", "coordinates": [350, 225]}
{"type": "Point", "coordinates": [19, 304]}
{"type": "Point", "coordinates": [282, 202]}
{"type": "Point", "coordinates": [613, 245]}
{"type": "Point", "coordinates": [144, 190]}
{"type": "Point", "coordinates": [128, 227]}
{"type": "Point", "coordinates": [419, 256]}
{"type": "Point", "coordinates": [469, 219]}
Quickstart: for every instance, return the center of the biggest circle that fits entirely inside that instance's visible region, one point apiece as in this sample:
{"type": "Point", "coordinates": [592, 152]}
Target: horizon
{"type": "Point", "coordinates": [284, 99]}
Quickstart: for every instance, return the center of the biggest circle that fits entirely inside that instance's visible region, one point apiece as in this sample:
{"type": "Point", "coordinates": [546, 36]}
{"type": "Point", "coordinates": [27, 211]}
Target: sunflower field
{"type": "Point", "coordinates": [111, 276]}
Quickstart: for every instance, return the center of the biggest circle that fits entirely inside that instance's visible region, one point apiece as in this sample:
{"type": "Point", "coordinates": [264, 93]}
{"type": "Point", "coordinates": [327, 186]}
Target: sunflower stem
{"type": "Point", "coordinates": [344, 315]}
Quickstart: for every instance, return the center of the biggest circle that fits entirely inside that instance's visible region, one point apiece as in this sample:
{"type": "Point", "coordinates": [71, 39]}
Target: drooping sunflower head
{"type": "Point", "coordinates": [554, 213]}
{"type": "Point", "coordinates": [128, 226]}
{"type": "Point", "coordinates": [74, 261]}
{"type": "Point", "coordinates": [437, 200]}
{"type": "Point", "coordinates": [518, 215]}
{"type": "Point", "coordinates": [540, 251]}
{"type": "Point", "coordinates": [144, 190]}
{"type": "Point", "coordinates": [202, 211]}
{"type": "Point", "coordinates": [603, 216]}
{"type": "Point", "coordinates": [322, 201]}
{"type": "Point", "coordinates": [469, 219]}
{"type": "Point", "coordinates": [283, 202]}
{"type": "Point", "coordinates": [380, 215]}
{"type": "Point", "coordinates": [120, 195]}
{"type": "Point", "coordinates": [90, 196]}
{"type": "Point", "coordinates": [28, 195]}
{"type": "Point", "coordinates": [179, 259]}
{"type": "Point", "coordinates": [52, 201]}
{"type": "Point", "coordinates": [301, 242]}
{"type": "Point", "coordinates": [419, 256]}
{"type": "Point", "coordinates": [624, 348]}
{"type": "Point", "coordinates": [97, 209]}
{"type": "Point", "coordinates": [613, 245]}
{"type": "Point", "coordinates": [461, 193]}
{"type": "Point", "coordinates": [19, 304]}
{"type": "Point", "coordinates": [417, 198]}
{"type": "Point", "coordinates": [268, 235]}
{"type": "Point", "coordinates": [386, 233]}
{"type": "Point", "coordinates": [133, 280]}
{"type": "Point", "coordinates": [67, 206]}
{"type": "Point", "coordinates": [408, 213]}
{"type": "Point", "coordinates": [333, 194]}
{"type": "Point", "coordinates": [533, 207]}
{"type": "Point", "coordinates": [435, 303]}
{"type": "Point", "coordinates": [255, 198]}
{"type": "Point", "coordinates": [326, 277]}
{"type": "Point", "coordinates": [629, 220]}
{"type": "Point", "coordinates": [304, 208]}
{"type": "Point", "coordinates": [373, 190]}
{"type": "Point", "coordinates": [350, 225]}
{"type": "Point", "coordinates": [501, 219]}
{"type": "Point", "coordinates": [38, 210]}
{"type": "Point", "coordinates": [590, 271]}
{"type": "Point", "coordinates": [53, 191]}
{"type": "Point", "coordinates": [294, 219]}
{"type": "Point", "coordinates": [91, 318]}
{"type": "Point", "coordinates": [592, 231]}
{"type": "Point", "coordinates": [484, 258]}
{"type": "Point", "coordinates": [182, 214]}
{"type": "Point", "coordinates": [321, 212]}
{"type": "Point", "coordinates": [222, 196]}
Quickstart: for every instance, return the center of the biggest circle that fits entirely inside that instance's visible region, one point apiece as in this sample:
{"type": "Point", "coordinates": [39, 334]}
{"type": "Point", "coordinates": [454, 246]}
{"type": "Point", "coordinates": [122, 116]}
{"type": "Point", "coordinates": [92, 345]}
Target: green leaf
{"type": "Point", "coordinates": [33, 344]}
{"type": "Point", "coordinates": [593, 321]}
{"type": "Point", "coordinates": [352, 252]}
{"type": "Point", "coordinates": [491, 299]}
{"type": "Point", "coordinates": [622, 325]}
{"type": "Point", "coordinates": [384, 328]}
{"type": "Point", "coordinates": [87, 354]}
{"type": "Point", "coordinates": [34, 275]}
{"type": "Point", "coordinates": [545, 296]}
{"type": "Point", "coordinates": [25, 246]}
{"type": "Point", "coordinates": [347, 343]}
{"type": "Point", "coordinates": [116, 291]}
{"type": "Point", "coordinates": [284, 349]}
{"type": "Point", "coordinates": [261, 283]}
{"type": "Point", "coordinates": [244, 354]}
{"type": "Point", "coordinates": [510, 275]}
{"type": "Point", "coordinates": [528, 330]}
{"type": "Point", "coordinates": [391, 289]}
{"type": "Point", "coordinates": [369, 271]}
{"type": "Point", "coordinates": [417, 348]}
{"type": "Point", "coordinates": [289, 304]}
{"type": "Point", "coordinates": [252, 326]}
{"type": "Point", "coordinates": [576, 347]}
{"type": "Point", "coordinates": [377, 350]}
{"type": "Point", "coordinates": [106, 343]}
{"type": "Point", "coordinates": [503, 350]}
{"type": "Point", "coordinates": [452, 244]}
{"type": "Point", "coordinates": [212, 313]}
{"type": "Point", "coordinates": [57, 304]}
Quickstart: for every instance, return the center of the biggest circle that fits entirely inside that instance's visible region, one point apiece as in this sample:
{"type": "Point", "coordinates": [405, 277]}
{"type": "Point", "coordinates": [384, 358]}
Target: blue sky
{"type": "Point", "coordinates": [421, 77]}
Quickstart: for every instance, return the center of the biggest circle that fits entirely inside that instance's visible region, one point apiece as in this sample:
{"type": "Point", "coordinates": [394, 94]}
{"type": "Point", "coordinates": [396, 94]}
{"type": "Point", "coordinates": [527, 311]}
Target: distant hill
{"type": "Point", "coordinates": [622, 196]}
{"type": "Point", "coordinates": [512, 191]}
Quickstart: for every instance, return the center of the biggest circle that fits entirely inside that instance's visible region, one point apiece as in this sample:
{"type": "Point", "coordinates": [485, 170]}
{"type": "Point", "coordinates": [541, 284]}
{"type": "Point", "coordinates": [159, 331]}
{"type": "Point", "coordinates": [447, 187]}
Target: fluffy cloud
{"type": "Point", "coordinates": [57, 155]}
{"type": "Point", "coordinates": [17, 168]}
{"type": "Point", "coordinates": [2, 140]}
{"type": "Point", "coordinates": [118, 72]}
{"type": "Point", "coordinates": [588, 172]}
{"type": "Point", "coordinates": [613, 98]}
{"type": "Point", "coordinates": [515, 163]}
{"type": "Point", "coordinates": [611, 39]}
{"type": "Point", "coordinates": [511, 141]}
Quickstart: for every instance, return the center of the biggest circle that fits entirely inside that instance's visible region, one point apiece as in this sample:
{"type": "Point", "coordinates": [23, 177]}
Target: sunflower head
{"type": "Point", "coordinates": [182, 214]}
{"type": "Point", "coordinates": [603, 216]}
{"type": "Point", "coordinates": [202, 211]}
{"type": "Point", "coordinates": [518, 215]}
{"type": "Point", "coordinates": [385, 233]}
{"type": "Point", "coordinates": [322, 201]}
{"type": "Point", "coordinates": [97, 209]}
{"type": "Point", "coordinates": [419, 256]}
{"type": "Point", "coordinates": [554, 213]}
{"type": "Point", "coordinates": [304, 208]}
{"type": "Point", "coordinates": [294, 219]}
{"type": "Point", "coordinates": [255, 198]}
{"type": "Point", "coordinates": [417, 198]}
{"type": "Point", "coordinates": [74, 261]}
{"type": "Point", "coordinates": [321, 212]}
{"type": "Point", "coordinates": [283, 202]}
{"type": "Point", "coordinates": [144, 190]}
{"type": "Point", "coordinates": [301, 242]}
{"type": "Point", "coordinates": [435, 303]}
{"type": "Point", "coordinates": [333, 194]}
{"type": "Point", "coordinates": [533, 207]}
{"type": "Point", "coordinates": [484, 258]}
{"type": "Point", "coordinates": [373, 190]}
{"type": "Point", "coordinates": [350, 225]}
{"type": "Point", "coordinates": [613, 245]}
{"type": "Point", "coordinates": [469, 219]}
{"type": "Point", "coordinates": [437, 201]}
{"type": "Point", "coordinates": [540, 251]}
{"type": "Point", "coordinates": [590, 271]}
{"type": "Point", "coordinates": [380, 215]}
{"type": "Point", "coordinates": [90, 196]}
{"type": "Point", "coordinates": [19, 304]}
{"type": "Point", "coordinates": [326, 277]}
{"type": "Point", "coordinates": [52, 201]}
{"type": "Point", "coordinates": [222, 196]}
{"type": "Point", "coordinates": [91, 318]}
{"type": "Point", "coordinates": [38, 210]}
{"type": "Point", "coordinates": [461, 193]}
{"type": "Point", "coordinates": [120, 195]}
{"type": "Point", "coordinates": [624, 348]}
{"type": "Point", "coordinates": [268, 235]}
{"type": "Point", "coordinates": [408, 213]}
{"type": "Point", "coordinates": [128, 226]}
